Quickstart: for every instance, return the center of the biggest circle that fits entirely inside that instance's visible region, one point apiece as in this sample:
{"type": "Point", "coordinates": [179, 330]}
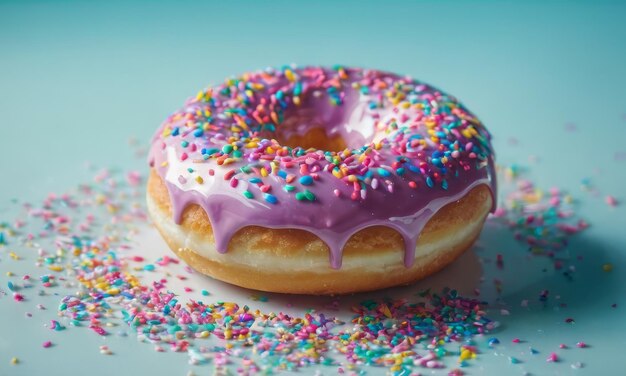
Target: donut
{"type": "Point", "coordinates": [320, 180]}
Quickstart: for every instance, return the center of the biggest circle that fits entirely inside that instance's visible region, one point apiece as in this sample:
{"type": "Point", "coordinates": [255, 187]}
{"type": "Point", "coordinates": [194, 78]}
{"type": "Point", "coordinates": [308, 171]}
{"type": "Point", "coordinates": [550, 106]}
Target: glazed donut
{"type": "Point", "coordinates": [320, 180]}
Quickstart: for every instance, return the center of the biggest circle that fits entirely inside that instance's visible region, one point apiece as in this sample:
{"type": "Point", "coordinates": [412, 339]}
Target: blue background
{"type": "Point", "coordinates": [78, 79]}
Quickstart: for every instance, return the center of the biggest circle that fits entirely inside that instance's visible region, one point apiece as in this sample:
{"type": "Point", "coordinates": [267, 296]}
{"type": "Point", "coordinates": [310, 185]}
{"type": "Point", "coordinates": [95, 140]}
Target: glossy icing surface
{"type": "Point", "coordinates": [411, 149]}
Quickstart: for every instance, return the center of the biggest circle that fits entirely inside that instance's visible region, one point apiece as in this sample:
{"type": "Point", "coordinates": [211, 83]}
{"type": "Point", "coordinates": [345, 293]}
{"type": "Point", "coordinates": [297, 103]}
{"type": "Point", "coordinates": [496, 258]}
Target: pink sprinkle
{"type": "Point", "coordinates": [183, 156]}
{"type": "Point", "coordinates": [18, 297]}
{"type": "Point", "coordinates": [581, 345]}
{"type": "Point", "coordinates": [188, 289]}
{"type": "Point", "coordinates": [516, 340]}
{"type": "Point", "coordinates": [133, 178]}
{"type": "Point", "coordinates": [47, 344]}
{"type": "Point", "coordinates": [611, 201]}
{"type": "Point", "coordinates": [229, 174]}
{"type": "Point", "coordinates": [552, 358]}
{"type": "Point", "coordinates": [562, 346]}
{"type": "Point", "coordinates": [98, 329]}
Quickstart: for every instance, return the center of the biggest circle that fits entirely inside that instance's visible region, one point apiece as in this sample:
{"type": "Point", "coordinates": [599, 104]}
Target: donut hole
{"type": "Point", "coordinates": [314, 138]}
{"type": "Point", "coordinates": [319, 123]}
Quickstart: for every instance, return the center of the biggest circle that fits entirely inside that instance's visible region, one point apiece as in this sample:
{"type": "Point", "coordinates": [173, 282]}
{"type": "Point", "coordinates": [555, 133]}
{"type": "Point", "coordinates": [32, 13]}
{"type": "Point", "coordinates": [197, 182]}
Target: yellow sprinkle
{"type": "Point", "coordinates": [263, 172]}
{"type": "Point", "coordinates": [14, 360]}
{"type": "Point", "coordinates": [296, 100]}
{"type": "Point", "coordinates": [386, 311]}
{"type": "Point", "coordinates": [199, 179]}
{"type": "Point", "coordinates": [9, 274]}
{"type": "Point", "coordinates": [14, 255]}
{"type": "Point", "coordinates": [290, 76]}
{"type": "Point", "coordinates": [607, 267]}
{"type": "Point", "coordinates": [205, 334]}
{"type": "Point", "coordinates": [113, 291]}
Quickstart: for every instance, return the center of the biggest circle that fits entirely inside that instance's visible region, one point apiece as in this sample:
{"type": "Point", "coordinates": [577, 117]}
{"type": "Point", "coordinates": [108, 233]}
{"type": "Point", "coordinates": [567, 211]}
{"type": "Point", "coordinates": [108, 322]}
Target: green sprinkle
{"type": "Point", "coordinates": [248, 194]}
{"type": "Point", "coordinates": [226, 149]}
{"type": "Point", "coordinates": [289, 188]}
{"type": "Point", "coordinates": [309, 195]}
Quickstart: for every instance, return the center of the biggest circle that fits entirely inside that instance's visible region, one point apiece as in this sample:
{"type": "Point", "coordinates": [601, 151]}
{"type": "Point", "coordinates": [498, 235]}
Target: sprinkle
{"type": "Point", "coordinates": [607, 267]}
{"type": "Point", "coordinates": [270, 198]}
{"type": "Point", "coordinates": [611, 201]}
{"type": "Point", "coordinates": [306, 180]}
{"type": "Point", "coordinates": [14, 361]}
{"type": "Point", "coordinates": [552, 358]}
{"type": "Point", "coordinates": [47, 344]}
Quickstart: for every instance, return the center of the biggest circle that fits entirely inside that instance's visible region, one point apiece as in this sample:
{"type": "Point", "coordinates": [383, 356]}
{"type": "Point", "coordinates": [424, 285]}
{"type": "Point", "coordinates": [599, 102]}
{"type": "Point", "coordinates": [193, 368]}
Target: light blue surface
{"type": "Point", "coordinates": [77, 80]}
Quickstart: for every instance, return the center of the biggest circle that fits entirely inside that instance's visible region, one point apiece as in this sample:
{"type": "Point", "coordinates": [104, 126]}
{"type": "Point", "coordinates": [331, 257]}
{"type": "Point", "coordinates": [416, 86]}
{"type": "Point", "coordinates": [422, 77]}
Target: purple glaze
{"type": "Point", "coordinates": [390, 201]}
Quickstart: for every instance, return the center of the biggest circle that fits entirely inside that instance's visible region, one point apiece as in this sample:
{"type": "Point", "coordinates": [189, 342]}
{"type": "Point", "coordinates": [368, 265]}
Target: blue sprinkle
{"type": "Point", "coordinates": [270, 198]}
{"type": "Point", "coordinates": [382, 172]}
{"type": "Point", "coordinates": [400, 171]}
{"type": "Point", "coordinates": [297, 89]}
{"type": "Point", "coordinates": [198, 132]}
{"type": "Point", "coordinates": [11, 286]}
{"type": "Point", "coordinates": [205, 293]}
{"type": "Point", "coordinates": [444, 184]}
{"type": "Point", "coordinates": [175, 131]}
{"type": "Point", "coordinates": [282, 174]}
{"type": "Point", "coordinates": [413, 168]}
{"type": "Point", "coordinates": [429, 182]}
{"type": "Point", "coordinates": [279, 95]}
{"type": "Point", "coordinates": [148, 267]}
{"type": "Point", "coordinates": [306, 180]}
{"type": "Point", "coordinates": [255, 180]}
